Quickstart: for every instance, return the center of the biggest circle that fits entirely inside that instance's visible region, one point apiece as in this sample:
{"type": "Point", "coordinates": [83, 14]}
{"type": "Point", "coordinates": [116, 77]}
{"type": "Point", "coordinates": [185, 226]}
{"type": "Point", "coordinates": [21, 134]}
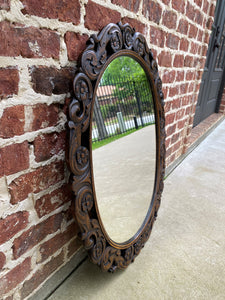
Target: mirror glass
{"type": "Point", "coordinates": [124, 147]}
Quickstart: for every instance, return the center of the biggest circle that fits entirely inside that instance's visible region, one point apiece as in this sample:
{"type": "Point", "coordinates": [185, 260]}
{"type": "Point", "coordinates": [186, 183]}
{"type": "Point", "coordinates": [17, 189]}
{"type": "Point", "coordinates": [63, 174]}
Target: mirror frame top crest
{"type": "Point", "coordinates": [113, 41]}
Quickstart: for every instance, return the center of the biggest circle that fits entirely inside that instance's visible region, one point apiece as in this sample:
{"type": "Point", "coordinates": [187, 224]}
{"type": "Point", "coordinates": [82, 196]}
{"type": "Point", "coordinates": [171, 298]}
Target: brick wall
{"type": "Point", "coordinates": [40, 44]}
{"type": "Point", "coordinates": [222, 104]}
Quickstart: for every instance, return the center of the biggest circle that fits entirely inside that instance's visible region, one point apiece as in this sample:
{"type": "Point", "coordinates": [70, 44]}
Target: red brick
{"type": "Point", "coordinates": [28, 239]}
{"type": "Point", "coordinates": [174, 138]}
{"type": "Point", "coordinates": [198, 2]}
{"type": "Point", "coordinates": [194, 47]}
{"type": "Point", "coordinates": [212, 10]}
{"type": "Point", "coordinates": [184, 88]}
{"type": "Point", "coordinates": [66, 11]}
{"type": "Point", "coordinates": [48, 203]}
{"type": "Point", "coordinates": [9, 81]}
{"type": "Point", "coordinates": [165, 92]}
{"type": "Point", "coordinates": [50, 80]}
{"type": "Point", "coordinates": [190, 11]}
{"type": "Point", "coordinates": [180, 76]}
{"type": "Point", "coordinates": [166, 2]}
{"type": "Point", "coordinates": [184, 44]}
{"type": "Point", "coordinates": [165, 59]}
{"type": "Point", "coordinates": [200, 35]}
{"type": "Point", "coordinates": [48, 248]}
{"type": "Point", "coordinates": [36, 181]}
{"type": "Point", "coordinates": [181, 124]}
{"type": "Point", "coordinates": [178, 61]}
{"type": "Point", "coordinates": [73, 246]}
{"type": "Point", "coordinates": [44, 116]}
{"type": "Point", "coordinates": [75, 44]}
{"type": "Point", "coordinates": [170, 118]}
{"type": "Point", "coordinates": [176, 145]}
{"type": "Point", "coordinates": [128, 4]}
{"type": "Point", "coordinates": [204, 50]}
{"type": "Point", "coordinates": [199, 17]}
{"type": "Point", "coordinates": [5, 4]}
{"type": "Point", "coordinates": [169, 19]}
{"type": "Point", "coordinates": [12, 224]}
{"type": "Point", "coordinates": [139, 27]}
{"type": "Point", "coordinates": [2, 259]}
{"type": "Point", "coordinates": [205, 6]}
{"type": "Point", "coordinates": [171, 129]}
{"type": "Point", "coordinates": [12, 121]}
{"type": "Point", "coordinates": [180, 114]}
{"type": "Point", "coordinates": [14, 158]}
{"type": "Point", "coordinates": [206, 38]}
{"type": "Point", "coordinates": [43, 273]}
{"type": "Point", "coordinates": [188, 110]}
{"type": "Point", "coordinates": [191, 87]}
{"type": "Point", "coordinates": [168, 76]}
{"type": "Point", "coordinates": [167, 142]}
{"type": "Point", "coordinates": [193, 31]}
{"type": "Point", "coordinates": [172, 41]}
{"type": "Point", "coordinates": [157, 36]}
{"type": "Point", "coordinates": [176, 103]}
{"type": "Point", "coordinates": [178, 5]}
{"type": "Point", "coordinates": [168, 105]}
{"type": "Point", "coordinates": [152, 11]}
{"type": "Point", "coordinates": [11, 279]}
{"type": "Point", "coordinates": [190, 75]}
{"type": "Point", "coordinates": [98, 16]}
{"type": "Point", "coordinates": [174, 91]}
{"type": "Point", "coordinates": [47, 145]}
{"type": "Point", "coordinates": [183, 26]}
{"type": "Point", "coordinates": [28, 42]}
{"type": "Point", "coordinates": [189, 61]}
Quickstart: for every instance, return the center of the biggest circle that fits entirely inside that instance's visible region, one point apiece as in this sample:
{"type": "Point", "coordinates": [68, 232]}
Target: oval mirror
{"type": "Point", "coordinates": [117, 145]}
{"type": "Point", "coordinates": [124, 148]}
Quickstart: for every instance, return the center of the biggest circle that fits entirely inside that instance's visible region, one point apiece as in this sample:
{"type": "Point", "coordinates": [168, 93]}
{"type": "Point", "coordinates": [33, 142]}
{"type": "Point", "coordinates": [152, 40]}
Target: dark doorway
{"type": "Point", "coordinates": [213, 72]}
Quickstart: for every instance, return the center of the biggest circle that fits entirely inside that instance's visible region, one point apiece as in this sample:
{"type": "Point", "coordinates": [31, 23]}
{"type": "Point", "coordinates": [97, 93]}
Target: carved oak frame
{"type": "Point", "coordinates": [114, 40]}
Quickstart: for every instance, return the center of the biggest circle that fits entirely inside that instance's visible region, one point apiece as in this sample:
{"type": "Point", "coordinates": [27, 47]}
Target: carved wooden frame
{"type": "Point", "coordinates": [114, 40]}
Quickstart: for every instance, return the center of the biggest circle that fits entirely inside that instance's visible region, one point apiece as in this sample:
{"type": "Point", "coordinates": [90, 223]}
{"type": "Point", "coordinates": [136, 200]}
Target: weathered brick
{"type": "Point", "coordinates": [157, 36]}
{"type": "Point", "coordinates": [166, 2]}
{"type": "Point", "coordinates": [36, 181]}
{"type": "Point", "coordinates": [184, 88]}
{"type": "Point", "coordinates": [183, 26]}
{"type": "Point", "coordinates": [212, 10]}
{"type": "Point", "coordinates": [176, 103]}
{"type": "Point", "coordinates": [181, 124]}
{"type": "Point", "coordinates": [205, 6]}
{"type": "Point", "coordinates": [190, 75]}
{"type": "Point", "coordinates": [190, 11]}
{"type": "Point", "coordinates": [47, 145]}
{"type": "Point", "coordinates": [170, 117]}
{"type": "Point", "coordinates": [172, 41]}
{"type": "Point", "coordinates": [11, 279]}
{"type": "Point", "coordinates": [73, 246]}
{"type": "Point", "coordinates": [50, 80]}
{"type": "Point", "coordinates": [36, 234]}
{"type": "Point", "coordinates": [209, 23]}
{"type": "Point", "coordinates": [9, 81]}
{"type": "Point", "coordinates": [2, 259]}
{"type": "Point", "coordinates": [180, 75]}
{"type": "Point", "coordinates": [191, 87]}
{"type": "Point", "coordinates": [49, 247]}
{"type": "Point", "coordinates": [199, 17]}
{"type": "Point", "coordinates": [28, 42]}
{"type": "Point", "coordinates": [171, 129]}
{"type": "Point", "coordinates": [169, 19]}
{"type": "Point", "coordinates": [165, 59]}
{"type": "Point", "coordinates": [139, 27]}
{"type": "Point", "coordinates": [180, 114]}
{"type": "Point", "coordinates": [174, 91]}
{"type": "Point", "coordinates": [200, 35]}
{"type": "Point", "coordinates": [193, 30]}
{"type": "Point", "coordinates": [189, 61]}
{"type": "Point", "coordinates": [38, 277]}
{"type": "Point", "coordinates": [12, 121]}
{"type": "Point", "coordinates": [152, 11]}
{"type": "Point", "coordinates": [98, 16]}
{"type": "Point", "coordinates": [128, 4]}
{"type": "Point", "coordinates": [198, 2]}
{"type": "Point", "coordinates": [194, 47]}
{"type": "Point", "coordinates": [12, 224]}
{"type": "Point", "coordinates": [174, 138]}
{"type": "Point", "coordinates": [14, 158]}
{"type": "Point", "coordinates": [48, 203]}
{"type": "Point", "coordinates": [168, 76]}
{"type": "Point", "coordinates": [5, 4]}
{"type": "Point", "coordinates": [67, 11]}
{"type": "Point", "coordinates": [42, 116]}
{"type": "Point", "coordinates": [75, 44]}
{"type": "Point", "coordinates": [184, 44]}
{"type": "Point", "coordinates": [178, 5]}
{"type": "Point", "coordinates": [206, 38]}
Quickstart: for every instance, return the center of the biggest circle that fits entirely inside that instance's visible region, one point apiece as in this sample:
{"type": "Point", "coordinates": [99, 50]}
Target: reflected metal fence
{"type": "Point", "coordinates": [121, 104]}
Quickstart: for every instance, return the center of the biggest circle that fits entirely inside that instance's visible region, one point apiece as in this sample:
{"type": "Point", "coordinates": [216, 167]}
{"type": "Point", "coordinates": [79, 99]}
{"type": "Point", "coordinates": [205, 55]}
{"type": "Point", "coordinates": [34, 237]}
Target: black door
{"type": "Point", "coordinates": [213, 71]}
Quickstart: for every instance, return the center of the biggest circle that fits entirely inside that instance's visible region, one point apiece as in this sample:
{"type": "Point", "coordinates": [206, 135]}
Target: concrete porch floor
{"type": "Point", "coordinates": [185, 255]}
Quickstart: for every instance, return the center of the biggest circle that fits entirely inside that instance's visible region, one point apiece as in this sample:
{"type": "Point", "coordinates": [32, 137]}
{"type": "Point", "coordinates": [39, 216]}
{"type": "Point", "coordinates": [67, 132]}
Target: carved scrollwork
{"type": "Point", "coordinates": [112, 39]}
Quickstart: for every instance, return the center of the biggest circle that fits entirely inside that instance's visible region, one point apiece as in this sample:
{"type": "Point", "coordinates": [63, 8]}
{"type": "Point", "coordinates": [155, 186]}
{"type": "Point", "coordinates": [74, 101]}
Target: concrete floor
{"type": "Point", "coordinates": [185, 255]}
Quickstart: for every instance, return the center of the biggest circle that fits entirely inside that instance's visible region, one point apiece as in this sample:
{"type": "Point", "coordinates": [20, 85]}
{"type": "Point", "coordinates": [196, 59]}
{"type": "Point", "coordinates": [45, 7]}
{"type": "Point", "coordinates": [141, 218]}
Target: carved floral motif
{"type": "Point", "coordinates": [110, 40]}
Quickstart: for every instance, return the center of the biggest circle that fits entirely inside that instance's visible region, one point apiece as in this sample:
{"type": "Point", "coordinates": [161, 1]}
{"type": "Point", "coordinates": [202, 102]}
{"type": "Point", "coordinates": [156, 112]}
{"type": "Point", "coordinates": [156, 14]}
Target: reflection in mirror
{"type": "Point", "coordinates": [124, 147]}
